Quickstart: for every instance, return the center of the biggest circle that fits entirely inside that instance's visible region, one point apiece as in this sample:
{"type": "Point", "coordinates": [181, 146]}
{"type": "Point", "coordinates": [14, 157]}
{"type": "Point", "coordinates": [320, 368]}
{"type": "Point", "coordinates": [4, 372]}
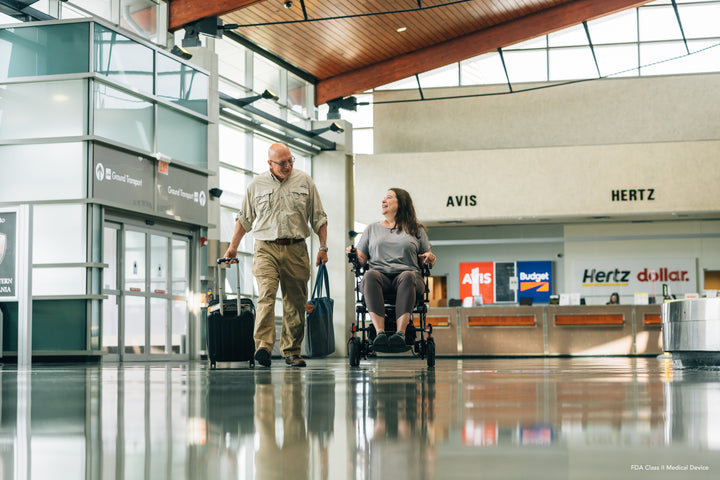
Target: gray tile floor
{"type": "Point", "coordinates": [391, 418]}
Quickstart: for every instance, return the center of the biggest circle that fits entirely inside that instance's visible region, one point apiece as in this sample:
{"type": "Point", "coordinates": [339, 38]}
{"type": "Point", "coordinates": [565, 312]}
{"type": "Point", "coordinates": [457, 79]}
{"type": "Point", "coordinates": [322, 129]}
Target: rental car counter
{"type": "Point", "coordinates": [547, 330]}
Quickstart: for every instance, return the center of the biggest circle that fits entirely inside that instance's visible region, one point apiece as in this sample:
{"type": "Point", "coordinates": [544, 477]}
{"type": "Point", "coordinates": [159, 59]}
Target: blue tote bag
{"type": "Point", "coordinates": [320, 335]}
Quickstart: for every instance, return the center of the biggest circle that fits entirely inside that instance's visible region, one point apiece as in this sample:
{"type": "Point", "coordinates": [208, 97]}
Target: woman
{"type": "Point", "coordinates": [614, 299]}
{"type": "Point", "coordinates": [393, 250]}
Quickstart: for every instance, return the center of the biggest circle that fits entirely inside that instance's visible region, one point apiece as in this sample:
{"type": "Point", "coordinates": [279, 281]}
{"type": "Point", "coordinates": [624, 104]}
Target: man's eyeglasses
{"type": "Point", "coordinates": [285, 163]}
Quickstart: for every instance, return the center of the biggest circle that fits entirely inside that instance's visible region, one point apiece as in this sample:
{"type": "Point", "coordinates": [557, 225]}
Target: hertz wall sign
{"type": "Point", "coordinates": [8, 263]}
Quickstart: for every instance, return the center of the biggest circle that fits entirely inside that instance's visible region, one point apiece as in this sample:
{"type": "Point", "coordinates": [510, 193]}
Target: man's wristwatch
{"type": "Point", "coordinates": [323, 249]}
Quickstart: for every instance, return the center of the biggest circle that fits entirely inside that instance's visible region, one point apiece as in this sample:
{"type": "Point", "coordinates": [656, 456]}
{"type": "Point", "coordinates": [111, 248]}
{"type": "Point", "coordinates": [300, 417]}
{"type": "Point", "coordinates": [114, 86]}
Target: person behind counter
{"type": "Point", "coordinates": [614, 299]}
{"type": "Point", "coordinates": [393, 249]}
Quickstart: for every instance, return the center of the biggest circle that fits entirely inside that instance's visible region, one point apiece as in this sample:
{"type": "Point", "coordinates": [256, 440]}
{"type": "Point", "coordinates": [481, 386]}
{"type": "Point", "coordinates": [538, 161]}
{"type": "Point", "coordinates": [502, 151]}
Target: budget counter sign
{"type": "Point", "coordinates": [476, 278]}
{"type": "Point", "coordinates": [535, 281]}
{"type": "Point", "coordinates": [8, 264]}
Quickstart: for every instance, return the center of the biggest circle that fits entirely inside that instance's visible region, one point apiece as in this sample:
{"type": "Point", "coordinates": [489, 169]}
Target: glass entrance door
{"type": "Point", "coordinates": [146, 314]}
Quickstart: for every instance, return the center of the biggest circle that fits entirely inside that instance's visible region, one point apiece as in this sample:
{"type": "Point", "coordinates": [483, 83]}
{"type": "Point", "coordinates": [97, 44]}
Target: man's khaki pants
{"type": "Point", "coordinates": [289, 267]}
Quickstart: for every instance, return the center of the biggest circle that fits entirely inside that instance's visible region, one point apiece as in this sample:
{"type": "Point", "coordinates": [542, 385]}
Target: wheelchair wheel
{"type": "Point", "coordinates": [354, 352]}
{"type": "Point", "coordinates": [430, 352]}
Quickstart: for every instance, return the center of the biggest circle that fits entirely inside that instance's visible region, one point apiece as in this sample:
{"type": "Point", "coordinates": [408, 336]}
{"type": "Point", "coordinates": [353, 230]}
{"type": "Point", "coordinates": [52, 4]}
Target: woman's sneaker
{"type": "Point", "coordinates": [381, 342]}
{"type": "Point", "coordinates": [397, 342]}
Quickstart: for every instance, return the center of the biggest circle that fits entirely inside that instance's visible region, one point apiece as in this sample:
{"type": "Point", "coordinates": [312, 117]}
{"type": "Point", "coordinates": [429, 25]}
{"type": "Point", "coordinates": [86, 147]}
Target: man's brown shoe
{"type": "Point", "coordinates": [295, 361]}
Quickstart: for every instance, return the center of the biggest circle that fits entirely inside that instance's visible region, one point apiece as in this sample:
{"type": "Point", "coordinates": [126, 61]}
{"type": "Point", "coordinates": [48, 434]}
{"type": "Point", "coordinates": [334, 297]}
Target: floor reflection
{"type": "Point", "coordinates": [390, 418]}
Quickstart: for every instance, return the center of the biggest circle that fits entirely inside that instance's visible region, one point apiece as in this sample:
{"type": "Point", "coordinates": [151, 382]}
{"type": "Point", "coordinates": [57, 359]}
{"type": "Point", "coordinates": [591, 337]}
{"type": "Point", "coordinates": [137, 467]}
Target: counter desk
{"type": "Point", "coordinates": [547, 330]}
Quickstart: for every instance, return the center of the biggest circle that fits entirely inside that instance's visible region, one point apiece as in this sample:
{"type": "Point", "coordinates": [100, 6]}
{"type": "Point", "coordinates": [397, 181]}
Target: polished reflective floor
{"type": "Point", "coordinates": [391, 418]}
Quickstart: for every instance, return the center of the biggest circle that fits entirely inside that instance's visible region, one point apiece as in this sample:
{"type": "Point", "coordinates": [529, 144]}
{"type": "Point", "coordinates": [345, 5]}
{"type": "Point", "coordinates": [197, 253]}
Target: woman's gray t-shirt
{"type": "Point", "coordinates": [391, 252]}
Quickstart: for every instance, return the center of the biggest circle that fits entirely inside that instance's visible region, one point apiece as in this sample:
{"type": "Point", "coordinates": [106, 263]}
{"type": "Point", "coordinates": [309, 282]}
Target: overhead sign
{"type": "Point", "coordinates": [182, 193]}
{"type": "Point", "coordinates": [535, 280]}
{"type": "Point", "coordinates": [630, 276]}
{"type": "Point", "coordinates": [8, 255]}
{"type": "Point", "coordinates": [123, 178]}
{"type": "Point", "coordinates": [477, 282]}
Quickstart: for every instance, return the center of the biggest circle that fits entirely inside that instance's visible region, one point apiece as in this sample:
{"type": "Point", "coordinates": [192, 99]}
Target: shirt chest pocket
{"type": "Point", "coordinates": [299, 198]}
{"type": "Point", "coordinates": [263, 202]}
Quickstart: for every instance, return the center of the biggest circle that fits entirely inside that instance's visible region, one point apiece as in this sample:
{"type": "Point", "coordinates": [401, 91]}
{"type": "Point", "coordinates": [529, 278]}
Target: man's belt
{"type": "Point", "coordinates": [286, 241]}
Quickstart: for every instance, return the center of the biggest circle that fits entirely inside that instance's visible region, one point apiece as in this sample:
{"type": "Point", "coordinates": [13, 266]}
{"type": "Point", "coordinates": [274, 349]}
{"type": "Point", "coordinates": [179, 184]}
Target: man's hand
{"type": "Point", "coordinates": [231, 253]}
{"type": "Point", "coordinates": [322, 257]}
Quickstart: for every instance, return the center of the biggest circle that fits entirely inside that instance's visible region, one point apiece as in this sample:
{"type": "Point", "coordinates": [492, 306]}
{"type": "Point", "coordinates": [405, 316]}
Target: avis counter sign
{"type": "Point", "coordinates": [8, 267]}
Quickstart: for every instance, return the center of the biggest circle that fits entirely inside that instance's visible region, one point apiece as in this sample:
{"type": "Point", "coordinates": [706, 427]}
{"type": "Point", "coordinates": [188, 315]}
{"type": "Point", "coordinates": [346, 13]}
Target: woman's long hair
{"type": "Point", "coordinates": [405, 219]}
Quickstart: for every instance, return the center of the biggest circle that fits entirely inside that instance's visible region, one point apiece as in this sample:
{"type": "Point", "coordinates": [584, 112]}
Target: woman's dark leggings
{"type": "Point", "coordinates": [408, 286]}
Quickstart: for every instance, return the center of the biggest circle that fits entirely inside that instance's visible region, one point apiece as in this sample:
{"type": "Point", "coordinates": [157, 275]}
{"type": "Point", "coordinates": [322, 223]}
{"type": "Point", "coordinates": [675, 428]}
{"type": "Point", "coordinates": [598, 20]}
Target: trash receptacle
{"type": "Point", "coordinates": [691, 331]}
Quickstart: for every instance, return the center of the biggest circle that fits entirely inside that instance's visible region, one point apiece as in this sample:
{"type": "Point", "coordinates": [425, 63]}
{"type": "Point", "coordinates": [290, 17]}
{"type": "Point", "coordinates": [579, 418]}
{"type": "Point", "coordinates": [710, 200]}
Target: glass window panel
{"type": "Point", "coordinates": [231, 60]}
{"type": "Point", "coordinates": [260, 154]}
{"type": "Point", "coordinates": [6, 20]}
{"type": "Point", "coordinates": [704, 61]}
{"type": "Point", "coordinates": [233, 181]}
{"type": "Point", "coordinates": [102, 9]}
{"type": "Point", "coordinates": [180, 275]}
{"type": "Point", "coordinates": [300, 121]}
{"type": "Point", "coordinates": [123, 60]}
{"type": "Point", "coordinates": [526, 66]}
{"type": "Point", "coordinates": [266, 75]}
{"type": "Point", "coordinates": [110, 258]}
{"type": "Point", "coordinates": [141, 17]}
{"type": "Point", "coordinates": [59, 233]}
{"type": "Point", "coordinates": [363, 141]}
{"type": "Point", "coordinates": [62, 106]}
{"type": "Point", "coordinates": [700, 20]}
{"type": "Point", "coordinates": [181, 84]}
{"type": "Point", "coordinates": [134, 261]}
{"type": "Point", "coordinates": [447, 76]}
{"type": "Point", "coordinates": [159, 325]}
{"type": "Point", "coordinates": [654, 58]}
{"type": "Point", "coordinates": [404, 84]}
{"type": "Point", "coordinates": [302, 163]}
{"type": "Point", "coordinates": [122, 117]}
{"type": "Point", "coordinates": [227, 227]}
{"type": "Point", "coordinates": [658, 23]}
{"type": "Point", "coordinates": [110, 313]}
{"type": "Point", "coordinates": [63, 167]}
{"type": "Point", "coordinates": [58, 281]}
{"type": "Point", "coordinates": [44, 50]}
{"type": "Point", "coordinates": [182, 137]}
{"type": "Point", "coordinates": [568, 37]}
{"type": "Point", "coordinates": [616, 28]}
{"type": "Point", "coordinates": [134, 329]}
{"type": "Point", "coordinates": [233, 146]}
{"type": "Point", "coordinates": [158, 264]}
{"type": "Point", "coordinates": [297, 95]}
{"type": "Point", "coordinates": [482, 70]}
{"type": "Point", "coordinates": [617, 60]}
{"type": "Point", "coordinates": [179, 326]}
{"type": "Point", "coordinates": [572, 63]}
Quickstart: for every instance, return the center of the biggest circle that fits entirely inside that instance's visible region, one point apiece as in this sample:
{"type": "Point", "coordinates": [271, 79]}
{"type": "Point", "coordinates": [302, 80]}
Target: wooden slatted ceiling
{"type": "Point", "coordinates": [350, 55]}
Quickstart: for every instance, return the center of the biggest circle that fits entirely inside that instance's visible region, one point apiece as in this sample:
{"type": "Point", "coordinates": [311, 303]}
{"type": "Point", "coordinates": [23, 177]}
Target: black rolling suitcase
{"type": "Point", "coordinates": [229, 333]}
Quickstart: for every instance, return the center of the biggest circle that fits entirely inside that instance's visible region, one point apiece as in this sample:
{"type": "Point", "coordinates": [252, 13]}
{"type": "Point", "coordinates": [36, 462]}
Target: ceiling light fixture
{"type": "Point", "coordinates": [267, 95]}
{"type": "Point", "coordinates": [335, 127]}
{"type": "Point", "coordinates": [181, 52]}
{"type": "Point", "coordinates": [401, 29]}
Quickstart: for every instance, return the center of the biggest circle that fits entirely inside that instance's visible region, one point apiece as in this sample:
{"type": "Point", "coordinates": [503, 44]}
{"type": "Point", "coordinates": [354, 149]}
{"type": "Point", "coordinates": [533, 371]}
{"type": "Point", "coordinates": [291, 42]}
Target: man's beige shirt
{"type": "Point", "coordinates": [282, 209]}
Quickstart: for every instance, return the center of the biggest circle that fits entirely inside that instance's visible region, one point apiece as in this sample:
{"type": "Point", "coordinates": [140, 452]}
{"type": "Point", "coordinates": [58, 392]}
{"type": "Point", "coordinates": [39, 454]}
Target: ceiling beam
{"type": "Point", "coordinates": [182, 12]}
{"type": "Point", "coordinates": [467, 46]}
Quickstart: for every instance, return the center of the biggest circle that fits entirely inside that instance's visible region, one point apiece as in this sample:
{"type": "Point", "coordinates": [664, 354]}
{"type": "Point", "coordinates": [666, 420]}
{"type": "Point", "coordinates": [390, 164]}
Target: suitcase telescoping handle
{"type": "Point", "coordinates": [221, 283]}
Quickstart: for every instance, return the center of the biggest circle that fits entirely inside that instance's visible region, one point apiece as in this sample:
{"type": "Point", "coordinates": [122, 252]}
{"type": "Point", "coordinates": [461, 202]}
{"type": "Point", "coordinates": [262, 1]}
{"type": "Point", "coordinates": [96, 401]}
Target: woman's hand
{"type": "Point", "coordinates": [427, 258]}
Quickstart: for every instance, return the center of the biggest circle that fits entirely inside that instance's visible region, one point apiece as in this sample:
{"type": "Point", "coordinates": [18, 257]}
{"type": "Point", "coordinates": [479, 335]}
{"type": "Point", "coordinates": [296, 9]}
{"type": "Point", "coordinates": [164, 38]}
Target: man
{"type": "Point", "coordinates": [281, 203]}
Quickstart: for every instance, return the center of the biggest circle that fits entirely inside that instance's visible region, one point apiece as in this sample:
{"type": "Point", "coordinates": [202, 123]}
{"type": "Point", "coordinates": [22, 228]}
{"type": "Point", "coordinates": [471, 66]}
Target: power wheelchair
{"type": "Point", "coordinates": [362, 331]}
